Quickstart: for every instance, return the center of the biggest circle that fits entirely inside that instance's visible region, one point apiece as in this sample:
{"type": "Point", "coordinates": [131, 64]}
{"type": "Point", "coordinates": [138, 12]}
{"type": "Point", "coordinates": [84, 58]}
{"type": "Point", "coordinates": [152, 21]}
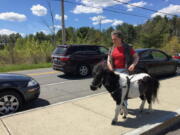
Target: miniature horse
{"type": "Point", "coordinates": [123, 87]}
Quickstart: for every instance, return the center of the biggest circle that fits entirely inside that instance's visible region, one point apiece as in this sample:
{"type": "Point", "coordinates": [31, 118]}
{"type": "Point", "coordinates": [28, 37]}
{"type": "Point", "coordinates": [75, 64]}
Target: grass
{"type": "Point", "coordinates": [7, 68]}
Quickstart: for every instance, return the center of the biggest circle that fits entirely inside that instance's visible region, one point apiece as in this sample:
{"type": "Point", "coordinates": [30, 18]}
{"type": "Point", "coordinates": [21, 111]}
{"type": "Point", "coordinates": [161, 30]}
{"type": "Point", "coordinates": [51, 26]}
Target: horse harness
{"type": "Point", "coordinates": [127, 85]}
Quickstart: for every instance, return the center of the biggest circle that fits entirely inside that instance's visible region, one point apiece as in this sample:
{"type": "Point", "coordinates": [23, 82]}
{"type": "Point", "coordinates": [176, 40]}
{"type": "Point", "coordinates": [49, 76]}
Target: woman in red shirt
{"type": "Point", "coordinates": [116, 59]}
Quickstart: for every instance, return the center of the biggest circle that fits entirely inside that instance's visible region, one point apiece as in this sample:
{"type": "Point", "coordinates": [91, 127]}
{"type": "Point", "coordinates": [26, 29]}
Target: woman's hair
{"type": "Point", "coordinates": [118, 33]}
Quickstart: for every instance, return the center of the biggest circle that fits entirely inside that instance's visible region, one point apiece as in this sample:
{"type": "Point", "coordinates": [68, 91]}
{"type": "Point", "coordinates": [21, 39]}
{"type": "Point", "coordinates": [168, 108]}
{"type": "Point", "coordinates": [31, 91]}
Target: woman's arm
{"type": "Point", "coordinates": [135, 61]}
{"type": "Point", "coordinates": [110, 67]}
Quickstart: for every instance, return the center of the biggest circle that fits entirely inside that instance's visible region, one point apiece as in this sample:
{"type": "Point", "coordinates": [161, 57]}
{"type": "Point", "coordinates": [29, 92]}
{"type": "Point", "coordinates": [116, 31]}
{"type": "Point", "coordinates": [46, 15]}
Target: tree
{"type": "Point", "coordinates": [128, 31]}
{"type": "Point", "coordinates": [173, 46]}
{"type": "Point", "coordinates": [40, 37]}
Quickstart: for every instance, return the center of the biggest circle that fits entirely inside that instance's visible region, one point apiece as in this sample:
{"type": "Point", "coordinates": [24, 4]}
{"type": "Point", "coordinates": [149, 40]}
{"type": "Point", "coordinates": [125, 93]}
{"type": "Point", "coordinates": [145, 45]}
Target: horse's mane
{"type": "Point", "coordinates": [103, 65]}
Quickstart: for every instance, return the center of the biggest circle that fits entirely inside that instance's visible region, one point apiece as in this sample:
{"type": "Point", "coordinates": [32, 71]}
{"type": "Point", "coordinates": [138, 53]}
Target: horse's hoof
{"type": "Point", "coordinates": [141, 111]}
{"type": "Point", "coordinates": [124, 117]}
{"type": "Point", "coordinates": [114, 122]}
{"type": "Point", "coordinates": [148, 112]}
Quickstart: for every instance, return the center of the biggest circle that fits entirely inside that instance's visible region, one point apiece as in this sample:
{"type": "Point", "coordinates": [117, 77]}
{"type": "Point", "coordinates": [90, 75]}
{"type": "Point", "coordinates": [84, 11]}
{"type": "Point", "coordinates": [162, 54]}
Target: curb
{"type": "Point", "coordinates": [163, 127]}
{"type": "Point", "coordinates": [160, 127]}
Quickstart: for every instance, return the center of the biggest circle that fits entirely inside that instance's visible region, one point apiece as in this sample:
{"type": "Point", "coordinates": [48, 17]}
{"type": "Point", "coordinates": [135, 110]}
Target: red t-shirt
{"type": "Point", "coordinates": [119, 57]}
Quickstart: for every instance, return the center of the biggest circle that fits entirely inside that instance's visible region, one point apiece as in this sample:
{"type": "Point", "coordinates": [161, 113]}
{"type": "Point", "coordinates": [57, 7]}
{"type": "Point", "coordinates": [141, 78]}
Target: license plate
{"type": "Point", "coordinates": [56, 61]}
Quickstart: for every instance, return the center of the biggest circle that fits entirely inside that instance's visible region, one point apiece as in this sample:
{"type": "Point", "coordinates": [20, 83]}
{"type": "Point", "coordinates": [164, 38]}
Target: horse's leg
{"type": "Point", "coordinates": [142, 103]}
{"type": "Point", "coordinates": [142, 106]}
{"type": "Point", "coordinates": [122, 111]}
{"type": "Point", "coordinates": [150, 105]}
{"type": "Point", "coordinates": [117, 111]}
{"type": "Point", "coordinates": [125, 110]}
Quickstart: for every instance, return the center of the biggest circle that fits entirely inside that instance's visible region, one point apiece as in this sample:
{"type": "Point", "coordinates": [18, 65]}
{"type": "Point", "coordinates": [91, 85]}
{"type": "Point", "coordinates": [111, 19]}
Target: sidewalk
{"type": "Point", "coordinates": [92, 115]}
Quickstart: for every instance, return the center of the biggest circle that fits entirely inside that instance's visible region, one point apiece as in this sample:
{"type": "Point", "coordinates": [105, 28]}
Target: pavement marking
{"type": "Point", "coordinates": [147, 127]}
{"type": "Point", "coordinates": [50, 84]}
{"type": "Point", "coordinates": [43, 73]}
{"type": "Point", "coordinates": [6, 127]}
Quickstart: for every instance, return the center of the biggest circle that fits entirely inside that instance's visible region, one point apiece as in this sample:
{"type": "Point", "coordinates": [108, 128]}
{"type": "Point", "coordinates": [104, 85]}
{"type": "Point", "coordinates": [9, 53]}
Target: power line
{"type": "Point", "coordinates": [114, 11]}
{"type": "Point", "coordinates": [108, 10]}
{"type": "Point", "coordinates": [126, 3]}
{"type": "Point", "coordinates": [152, 10]}
{"type": "Point", "coordinates": [169, 2]}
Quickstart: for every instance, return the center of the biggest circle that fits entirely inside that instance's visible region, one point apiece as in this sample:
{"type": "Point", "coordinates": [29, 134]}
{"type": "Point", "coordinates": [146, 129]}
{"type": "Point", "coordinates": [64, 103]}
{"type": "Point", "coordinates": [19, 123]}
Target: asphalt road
{"type": "Point", "coordinates": [57, 87]}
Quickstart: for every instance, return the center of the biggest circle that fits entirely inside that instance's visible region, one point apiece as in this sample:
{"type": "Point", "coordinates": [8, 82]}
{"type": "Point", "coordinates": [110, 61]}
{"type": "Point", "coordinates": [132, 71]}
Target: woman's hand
{"type": "Point", "coordinates": [131, 67]}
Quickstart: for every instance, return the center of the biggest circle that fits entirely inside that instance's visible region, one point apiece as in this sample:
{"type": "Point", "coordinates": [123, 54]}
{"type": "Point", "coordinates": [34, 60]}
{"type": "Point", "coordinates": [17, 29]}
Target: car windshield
{"type": "Point", "coordinates": [60, 50]}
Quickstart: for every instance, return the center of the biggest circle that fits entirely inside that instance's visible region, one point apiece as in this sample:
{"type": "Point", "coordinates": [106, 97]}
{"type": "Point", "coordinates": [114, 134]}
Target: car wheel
{"type": "Point", "coordinates": [83, 70]}
{"type": "Point", "coordinates": [10, 102]}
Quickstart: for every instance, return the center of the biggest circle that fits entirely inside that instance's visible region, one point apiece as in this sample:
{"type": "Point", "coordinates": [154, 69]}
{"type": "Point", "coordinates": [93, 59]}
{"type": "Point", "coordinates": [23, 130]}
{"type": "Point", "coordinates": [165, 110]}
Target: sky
{"type": "Point", "coordinates": [31, 16]}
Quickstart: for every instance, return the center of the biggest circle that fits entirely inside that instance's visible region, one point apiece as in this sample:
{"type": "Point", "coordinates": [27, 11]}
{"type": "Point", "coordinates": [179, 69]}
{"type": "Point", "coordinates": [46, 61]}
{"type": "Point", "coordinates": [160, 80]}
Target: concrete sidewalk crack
{"type": "Point", "coordinates": [85, 108]}
{"type": "Point", "coordinates": [6, 127]}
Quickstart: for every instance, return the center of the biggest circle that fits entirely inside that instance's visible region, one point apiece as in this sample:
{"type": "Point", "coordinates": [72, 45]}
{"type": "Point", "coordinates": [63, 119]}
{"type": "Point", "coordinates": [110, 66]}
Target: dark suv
{"type": "Point", "coordinates": [77, 59]}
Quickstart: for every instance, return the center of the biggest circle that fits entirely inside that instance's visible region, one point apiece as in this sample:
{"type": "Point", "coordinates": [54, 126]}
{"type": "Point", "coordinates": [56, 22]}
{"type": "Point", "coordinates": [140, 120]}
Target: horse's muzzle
{"type": "Point", "coordinates": [93, 87]}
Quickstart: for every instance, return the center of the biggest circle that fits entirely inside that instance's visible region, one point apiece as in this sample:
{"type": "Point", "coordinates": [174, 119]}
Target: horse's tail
{"type": "Point", "coordinates": [155, 87]}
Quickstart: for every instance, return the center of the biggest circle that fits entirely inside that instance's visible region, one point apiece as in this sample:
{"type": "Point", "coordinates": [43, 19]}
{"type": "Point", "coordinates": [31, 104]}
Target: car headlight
{"type": "Point", "coordinates": [32, 83]}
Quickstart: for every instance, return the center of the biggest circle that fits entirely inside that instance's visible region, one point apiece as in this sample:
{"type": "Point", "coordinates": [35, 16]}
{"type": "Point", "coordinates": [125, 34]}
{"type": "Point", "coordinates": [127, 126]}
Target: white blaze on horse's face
{"type": "Point", "coordinates": [97, 81]}
{"type": "Point", "coordinates": [97, 77]}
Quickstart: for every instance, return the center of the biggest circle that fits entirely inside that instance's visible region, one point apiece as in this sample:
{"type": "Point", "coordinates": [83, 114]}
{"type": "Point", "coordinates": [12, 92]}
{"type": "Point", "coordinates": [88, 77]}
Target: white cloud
{"type": "Point", "coordinates": [11, 16]}
{"type": "Point", "coordinates": [56, 27]}
{"type": "Point", "coordinates": [85, 9]}
{"type": "Point", "coordinates": [39, 10]}
{"type": "Point", "coordinates": [58, 17]}
{"type": "Point", "coordinates": [102, 3]}
{"type": "Point", "coordinates": [171, 9]}
{"type": "Point", "coordinates": [6, 32]}
{"type": "Point", "coordinates": [133, 5]}
{"type": "Point", "coordinates": [106, 21]}
{"type": "Point", "coordinates": [9, 32]}
{"type": "Point", "coordinates": [102, 19]}
{"type": "Point", "coordinates": [97, 19]}
{"type": "Point", "coordinates": [117, 22]}
{"type": "Point", "coordinates": [95, 6]}
{"type": "Point", "coordinates": [44, 31]}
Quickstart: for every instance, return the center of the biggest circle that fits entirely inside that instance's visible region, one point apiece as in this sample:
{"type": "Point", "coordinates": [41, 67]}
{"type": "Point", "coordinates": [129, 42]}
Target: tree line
{"type": "Point", "coordinates": [159, 32]}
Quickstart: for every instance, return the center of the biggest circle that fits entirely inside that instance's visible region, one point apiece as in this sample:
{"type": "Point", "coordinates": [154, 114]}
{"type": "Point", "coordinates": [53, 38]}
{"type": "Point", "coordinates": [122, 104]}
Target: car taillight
{"type": "Point", "coordinates": [64, 58]}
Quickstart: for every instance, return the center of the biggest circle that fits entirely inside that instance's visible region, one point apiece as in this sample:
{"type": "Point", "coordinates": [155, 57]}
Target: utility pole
{"type": "Point", "coordinates": [100, 24]}
{"type": "Point", "coordinates": [100, 21]}
{"type": "Point", "coordinates": [62, 23]}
